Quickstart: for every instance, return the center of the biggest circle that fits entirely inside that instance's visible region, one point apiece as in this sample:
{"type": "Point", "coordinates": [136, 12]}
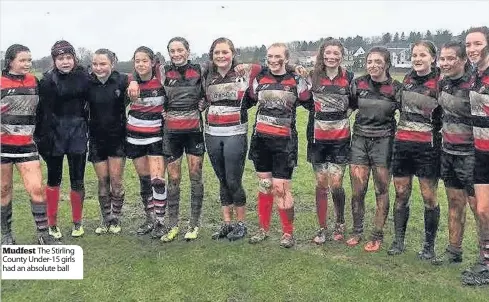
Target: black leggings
{"type": "Point", "coordinates": [76, 164]}
{"type": "Point", "coordinates": [227, 155]}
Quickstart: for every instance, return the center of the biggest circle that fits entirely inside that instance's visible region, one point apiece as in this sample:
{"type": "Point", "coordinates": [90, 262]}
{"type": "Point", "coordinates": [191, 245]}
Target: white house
{"type": "Point", "coordinates": [360, 51]}
{"type": "Point", "coordinates": [400, 57]}
{"type": "Point", "coordinates": [348, 58]}
{"type": "Point", "coordinates": [304, 58]}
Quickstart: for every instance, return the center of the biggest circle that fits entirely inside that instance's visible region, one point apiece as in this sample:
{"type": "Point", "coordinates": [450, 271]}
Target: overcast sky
{"type": "Point", "coordinates": [122, 26]}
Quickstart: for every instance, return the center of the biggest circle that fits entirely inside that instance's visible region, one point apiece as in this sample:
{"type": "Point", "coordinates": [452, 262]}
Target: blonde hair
{"type": "Point", "coordinates": [283, 45]}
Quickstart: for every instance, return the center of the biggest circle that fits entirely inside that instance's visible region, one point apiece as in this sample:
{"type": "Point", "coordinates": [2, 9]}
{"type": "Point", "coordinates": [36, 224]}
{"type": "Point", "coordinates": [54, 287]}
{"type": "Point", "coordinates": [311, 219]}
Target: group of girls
{"type": "Point", "coordinates": [443, 132]}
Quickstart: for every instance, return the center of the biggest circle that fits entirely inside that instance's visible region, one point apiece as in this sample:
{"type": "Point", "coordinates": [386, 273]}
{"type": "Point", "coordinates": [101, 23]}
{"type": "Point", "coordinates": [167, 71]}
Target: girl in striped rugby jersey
{"type": "Point", "coordinates": [144, 140]}
{"type": "Point", "coordinates": [477, 47]}
{"type": "Point", "coordinates": [457, 156]}
{"type": "Point", "coordinates": [417, 147]}
{"type": "Point", "coordinates": [328, 134]}
{"type": "Point", "coordinates": [19, 99]}
{"type": "Point", "coordinates": [377, 97]}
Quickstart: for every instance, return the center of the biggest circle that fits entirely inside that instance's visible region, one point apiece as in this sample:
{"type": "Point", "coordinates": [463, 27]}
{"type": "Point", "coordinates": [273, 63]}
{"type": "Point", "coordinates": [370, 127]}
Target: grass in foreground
{"type": "Point", "coordinates": [131, 268]}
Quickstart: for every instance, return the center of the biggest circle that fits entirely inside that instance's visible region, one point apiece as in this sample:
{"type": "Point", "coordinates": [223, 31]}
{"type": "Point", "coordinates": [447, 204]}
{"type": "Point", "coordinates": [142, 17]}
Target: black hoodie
{"type": "Point", "coordinates": [62, 113]}
{"type": "Point", "coordinates": [107, 107]}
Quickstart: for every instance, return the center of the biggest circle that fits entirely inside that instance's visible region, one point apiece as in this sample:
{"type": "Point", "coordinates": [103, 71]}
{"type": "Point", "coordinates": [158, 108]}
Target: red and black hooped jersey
{"type": "Point", "coordinates": [19, 100]}
{"type": "Point", "coordinates": [278, 97]}
{"type": "Point", "coordinates": [376, 103]}
{"type": "Point", "coordinates": [227, 112]}
{"type": "Point", "coordinates": [420, 112]}
{"type": "Point", "coordinates": [328, 122]}
{"type": "Point", "coordinates": [184, 89]}
{"type": "Point", "coordinates": [457, 131]}
{"type": "Point", "coordinates": [144, 122]}
{"type": "Point", "coordinates": [479, 101]}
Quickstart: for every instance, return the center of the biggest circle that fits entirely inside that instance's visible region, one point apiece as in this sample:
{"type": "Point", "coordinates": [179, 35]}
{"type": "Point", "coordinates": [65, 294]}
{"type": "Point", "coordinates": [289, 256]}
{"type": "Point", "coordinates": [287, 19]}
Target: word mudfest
{"type": "Point", "coordinates": [33, 262]}
{"type": "Point", "coordinates": [161, 111]}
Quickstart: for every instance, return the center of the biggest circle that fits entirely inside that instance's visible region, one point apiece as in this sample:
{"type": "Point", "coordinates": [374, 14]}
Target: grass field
{"type": "Point", "coordinates": [131, 268]}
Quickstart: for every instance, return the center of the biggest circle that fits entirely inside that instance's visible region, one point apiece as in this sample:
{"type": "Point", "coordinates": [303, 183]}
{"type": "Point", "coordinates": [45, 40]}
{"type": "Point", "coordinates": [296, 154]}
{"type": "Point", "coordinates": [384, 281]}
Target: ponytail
{"type": "Point", "coordinates": [11, 54]}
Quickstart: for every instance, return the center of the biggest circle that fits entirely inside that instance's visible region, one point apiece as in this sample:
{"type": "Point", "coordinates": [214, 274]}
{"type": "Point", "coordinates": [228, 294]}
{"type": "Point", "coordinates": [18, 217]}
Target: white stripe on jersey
{"type": "Point", "coordinates": [131, 120]}
{"type": "Point", "coordinates": [143, 141]}
{"type": "Point", "coordinates": [213, 109]}
{"type": "Point", "coordinates": [227, 130]}
{"type": "Point", "coordinates": [150, 101]}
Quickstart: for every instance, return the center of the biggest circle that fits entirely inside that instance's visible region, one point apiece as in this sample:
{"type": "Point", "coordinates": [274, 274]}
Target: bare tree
{"type": "Point", "coordinates": [85, 56]}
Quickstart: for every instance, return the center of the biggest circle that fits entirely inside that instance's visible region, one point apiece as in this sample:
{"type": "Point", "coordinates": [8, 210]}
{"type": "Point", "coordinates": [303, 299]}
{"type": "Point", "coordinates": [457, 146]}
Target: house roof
{"type": "Point", "coordinates": [359, 51]}
{"type": "Point", "coordinates": [306, 53]}
{"type": "Point", "coordinates": [295, 55]}
{"type": "Point", "coordinates": [397, 49]}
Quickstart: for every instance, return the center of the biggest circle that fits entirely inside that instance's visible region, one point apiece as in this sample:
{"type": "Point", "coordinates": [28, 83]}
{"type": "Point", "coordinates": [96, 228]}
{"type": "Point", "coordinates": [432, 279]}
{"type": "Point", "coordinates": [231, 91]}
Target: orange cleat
{"type": "Point", "coordinates": [373, 246]}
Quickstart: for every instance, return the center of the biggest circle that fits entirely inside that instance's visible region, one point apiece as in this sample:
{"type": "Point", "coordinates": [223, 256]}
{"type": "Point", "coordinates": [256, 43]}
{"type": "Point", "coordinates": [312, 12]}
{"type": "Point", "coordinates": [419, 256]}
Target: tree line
{"type": "Point", "coordinates": [256, 54]}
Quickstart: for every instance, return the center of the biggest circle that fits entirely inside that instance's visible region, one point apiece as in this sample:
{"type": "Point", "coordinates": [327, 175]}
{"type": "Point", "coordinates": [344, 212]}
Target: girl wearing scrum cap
{"type": "Point", "coordinates": [61, 129]}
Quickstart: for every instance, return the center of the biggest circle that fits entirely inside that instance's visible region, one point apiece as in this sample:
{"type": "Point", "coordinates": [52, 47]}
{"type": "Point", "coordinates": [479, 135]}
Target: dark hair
{"type": "Point", "coordinates": [319, 66]}
{"type": "Point", "coordinates": [64, 47]}
{"type": "Point", "coordinates": [430, 46]}
{"type": "Point", "coordinates": [179, 39]}
{"type": "Point", "coordinates": [150, 54]}
{"type": "Point", "coordinates": [231, 47]}
{"type": "Point", "coordinates": [209, 73]}
{"type": "Point", "coordinates": [12, 53]}
{"type": "Point", "coordinates": [482, 29]}
{"type": "Point", "coordinates": [110, 54]}
{"type": "Point", "coordinates": [485, 31]}
{"type": "Point", "coordinates": [459, 48]}
{"type": "Point", "coordinates": [460, 51]}
{"type": "Point", "coordinates": [385, 53]}
{"type": "Point", "coordinates": [146, 50]}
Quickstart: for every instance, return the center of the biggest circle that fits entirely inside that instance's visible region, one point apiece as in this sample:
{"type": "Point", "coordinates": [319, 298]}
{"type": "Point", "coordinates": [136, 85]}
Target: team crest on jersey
{"type": "Point", "coordinates": [287, 88]}
{"type": "Point", "coordinates": [154, 93]}
{"type": "Point", "coordinates": [117, 93]}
